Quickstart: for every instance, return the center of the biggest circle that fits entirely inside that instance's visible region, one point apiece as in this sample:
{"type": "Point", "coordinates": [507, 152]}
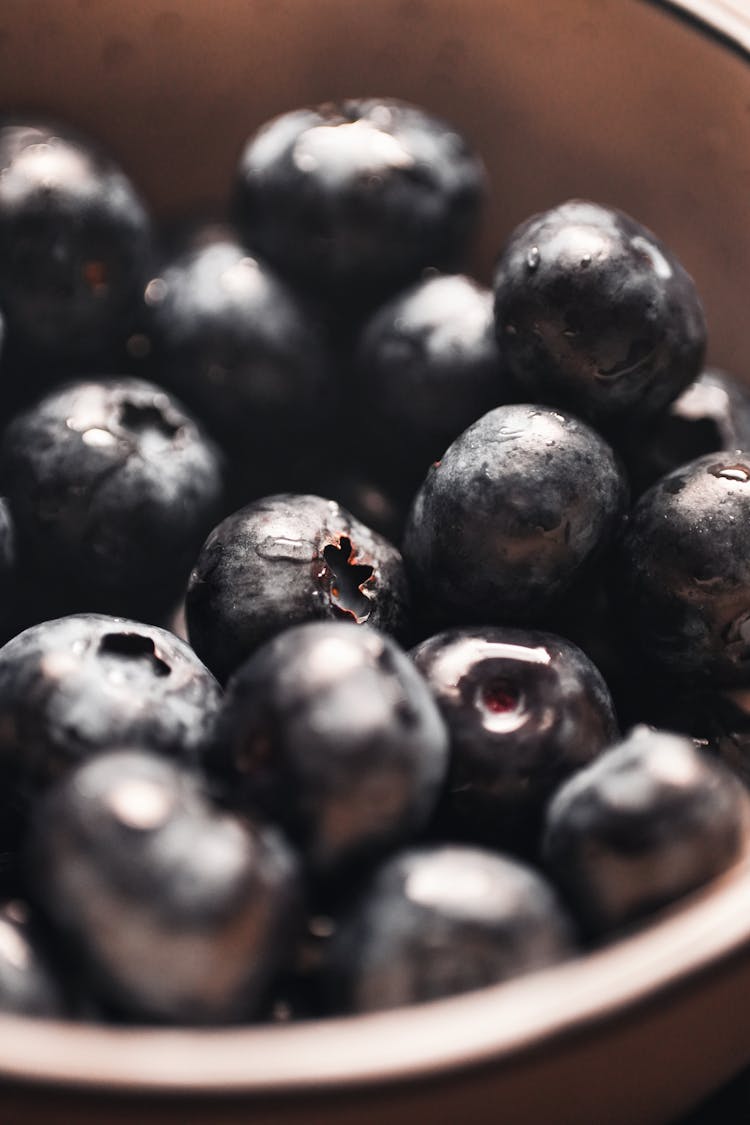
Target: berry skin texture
{"type": "Point", "coordinates": [238, 347]}
{"type": "Point", "coordinates": [524, 710]}
{"type": "Point", "coordinates": [427, 367]}
{"type": "Point", "coordinates": [685, 570]}
{"type": "Point", "coordinates": [504, 523]}
{"type": "Point", "coordinates": [441, 920]}
{"type": "Point", "coordinates": [113, 487]}
{"type": "Point", "coordinates": [332, 732]}
{"type": "Point", "coordinates": [649, 821]}
{"type": "Point", "coordinates": [173, 911]}
{"type": "Point", "coordinates": [75, 241]}
{"type": "Point", "coordinates": [72, 688]}
{"type": "Point", "coordinates": [358, 197]}
{"type": "Point", "coordinates": [595, 314]}
{"type": "Point", "coordinates": [284, 560]}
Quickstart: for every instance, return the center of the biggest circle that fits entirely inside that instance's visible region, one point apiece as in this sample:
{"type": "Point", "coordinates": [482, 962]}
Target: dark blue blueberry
{"type": "Point", "coordinates": [520, 503]}
{"type": "Point", "coordinates": [112, 487]}
{"type": "Point", "coordinates": [649, 821]}
{"type": "Point", "coordinates": [367, 500]}
{"type": "Point", "coordinates": [331, 731]}
{"type": "Point", "coordinates": [172, 910]}
{"type": "Point", "coordinates": [77, 686]}
{"type": "Point", "coordinates": [240, 349]}
{"type": "Point", "coordinates": [524, 710]}
{"type": "Point", "coordinates": [74, 243]}
{"type": "Point", "coordinates": [285, 560]}
{"type": "Point", "coordinates": [28, 984]}
{"type": "Point", "coordinates": [721, 718]}
{"type": "Point", "coordinates": [595, 314]}
{"type": "Point", "coordinates": [356, 198]}
{"type": "Point", "coordinates": [427, 367]}
{"type": "Point", "coordinates": [685, 570]}
{"type": "Point", "coordinates": [443, 920]}
{"type": "Point", "coordinates": [712, 414]}
{"type": "Point", "coordinates": [8, 565]}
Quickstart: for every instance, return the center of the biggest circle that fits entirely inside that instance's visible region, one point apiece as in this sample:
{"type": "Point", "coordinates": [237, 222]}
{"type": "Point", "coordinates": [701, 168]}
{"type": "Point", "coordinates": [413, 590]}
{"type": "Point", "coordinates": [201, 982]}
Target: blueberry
{"type": "Point", "coordinates": [28, 984]}
{"type": "Point", "coordinates": [646, 823]}
{"type": "Point", "coordinates": [368, 501]}
{"type": "Point", "coordinates": [443, 920]}
{"type": "Point", "coordinates": [74, 243]}
{"type": "Point", "coordinates": [8, 563]}
{"type": "Point", "coordinates": [236, 344]}
{"type": "Point", "coordinates": [595, 314]}
{"type": "Point", "coordinates": [77, 686]}
{"type": "Point", "coordinates": [172, 910]}
{"type": "Point", "coordinates": [524, 710]}
{"type": "Point", "coordinates": [685, 570]}
{"type": "Point", "coordinates": [427, 367]}
{"type": "Point", "coordinates": [356, 198]}
{"type": "Point", "coordinates": [113, 488]}
{"type": "Point", "coordinates": [712, 414]}
{"type": "Point", "coordinates": [520, 503]}
{"type": "Point", "coordinates": [722, 718]}
{"type": "Point", "coordinates": [331, 731]}
{"type": "Point", "coordinates": [284, 560]}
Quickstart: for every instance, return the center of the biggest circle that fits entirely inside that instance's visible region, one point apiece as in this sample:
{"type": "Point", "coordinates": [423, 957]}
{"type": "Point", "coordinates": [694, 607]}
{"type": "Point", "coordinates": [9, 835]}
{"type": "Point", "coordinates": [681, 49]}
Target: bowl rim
{"type": "Point", "coordinates": [504, 1021]}
{"type": "Point", "coordinates": [682, 946]}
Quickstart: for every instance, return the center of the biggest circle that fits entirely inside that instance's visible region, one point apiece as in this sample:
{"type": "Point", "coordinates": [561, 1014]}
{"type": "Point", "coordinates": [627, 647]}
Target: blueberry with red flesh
{"type": "Point", "coordinates": [332, 732]}
{"type": "Point", "coordinates": [29, 985]}
{"type": "Point", "coordinates": [518, 507]}
{"type": "Point", "coordinates": [356, 198]}
{"type": "Point", "coordinates": [427, 366]}
{"type": "Point", "coordinates": [595, 314]}
{"type": "Point", "coordinates": [646, 823]}
{"type": "Point", "coordinates": [113, 487]}
{"type": "Point", "coordinates": [285, 560]}
{"type": "Point", "coordinates": [684, 573]}
{"type": "Point", "coordinates": [712, 414]}
{"type": "Point", "coordinates": [75, 243]}
{"type": "Point", "coordinates": [171, 910]}
{"type": "Point", "coordinates": [235, 344]}
{"type": "Point", "coordinates": [74, 687]}
{"type": "Point", "coordinates": [441, 920]}
{"type": "Point", "coordinates": [524, 710]}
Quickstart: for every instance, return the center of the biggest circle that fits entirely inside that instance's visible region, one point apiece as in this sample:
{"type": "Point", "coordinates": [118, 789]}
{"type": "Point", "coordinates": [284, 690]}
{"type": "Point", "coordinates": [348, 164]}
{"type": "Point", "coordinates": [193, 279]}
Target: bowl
{"type": "Point", "coordinates": [644, 106]}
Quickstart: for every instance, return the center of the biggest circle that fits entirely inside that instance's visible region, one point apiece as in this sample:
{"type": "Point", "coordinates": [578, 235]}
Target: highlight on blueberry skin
{"type": "Point", "coordinates": [508, 519]}
{"type": "Point", "coordinates": [440, 920]}
{"type": "Point", "coordinates": [595, 314]}
{"type": "Point", "coordinates": [284, 560]}
{"type": "Point", "coordinates": [72, 688]}
{"type": "Point", "coordinates": [646, 823]}
{"type": "Point", "coordinates": [525, 710]}
{"type": "Point", "coordinates": [332, 732]}
{"type": "Point", "coordinates": [684, 575]}
{"type": "Point", "coordinates": [113, 486]}
{"type": "Point", "coordinates": [357, 197]}
{"type": "Point", "coordinates": [171, 910]}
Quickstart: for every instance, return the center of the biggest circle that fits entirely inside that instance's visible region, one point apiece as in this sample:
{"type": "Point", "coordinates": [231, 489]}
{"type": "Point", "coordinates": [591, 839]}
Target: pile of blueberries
{"type": "Point", "coordinates": [377, 774]}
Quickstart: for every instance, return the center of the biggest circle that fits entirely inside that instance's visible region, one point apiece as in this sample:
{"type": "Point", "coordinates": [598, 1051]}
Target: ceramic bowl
{"type": "Point", "coordinates": [644, 106]}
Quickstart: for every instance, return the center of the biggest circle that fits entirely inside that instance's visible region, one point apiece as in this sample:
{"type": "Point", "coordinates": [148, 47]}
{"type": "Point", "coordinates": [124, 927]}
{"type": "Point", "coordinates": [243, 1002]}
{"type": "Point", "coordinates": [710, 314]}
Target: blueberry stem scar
{"type": "Point", "coordinates": [348, 578]}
